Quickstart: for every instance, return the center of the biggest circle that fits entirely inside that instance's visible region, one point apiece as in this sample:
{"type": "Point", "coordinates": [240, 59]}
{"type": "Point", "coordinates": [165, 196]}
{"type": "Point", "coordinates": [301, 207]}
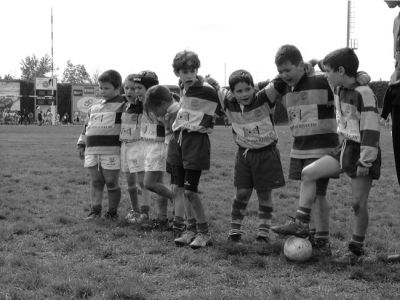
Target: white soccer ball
{"type": "Point", "coordinates": [297, 249]}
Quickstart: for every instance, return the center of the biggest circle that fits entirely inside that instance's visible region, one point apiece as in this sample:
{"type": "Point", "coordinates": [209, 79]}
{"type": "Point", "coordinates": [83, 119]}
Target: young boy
{"type": "Point", "coordinates": [132, 154]}
{"type": "Point", "coordinates": [152, 133]}
{"type": "Point", "coordinates": [257, 163]}
{"type": "Point", "coordinates": [189, 148]}
{"type": "Point", "coordinates": [308, 99]}
{"type": "Point", "coordinates": [99, 145]}
{"type": "Point", "coordinates": [359, 154]}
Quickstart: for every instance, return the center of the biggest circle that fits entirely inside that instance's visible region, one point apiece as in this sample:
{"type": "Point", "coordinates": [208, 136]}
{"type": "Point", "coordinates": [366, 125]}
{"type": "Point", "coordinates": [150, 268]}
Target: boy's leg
{"type": "Point", "coordinates": [265, 209]}
{"type": "Point", "coordinates": [396, 137]}
{"type": "Point", "coordinates": [153, 181]}
{"type": "Point", "coordinates": [324, 167]}
{"type": "Point", "coordinates": [114, 192]}
{"type": "Point", "coordinates": [96, 191]}
{"type": "Point", "coordinates": [238, 212]}
{"type": "Point", "coordinates": [131, 179]}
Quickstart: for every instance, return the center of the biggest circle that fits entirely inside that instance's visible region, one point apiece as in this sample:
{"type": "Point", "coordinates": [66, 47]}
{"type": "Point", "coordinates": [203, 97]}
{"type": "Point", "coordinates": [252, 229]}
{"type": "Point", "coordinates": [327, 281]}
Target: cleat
{"type": "Point", "coordinates": [93, 215]}
{"type": "Point", "coordinates": [132, 217]}
{"type": "Point", "coordinates": [201, 240]}
{"type": "Point", "coordinates": [161, 225]}
{"type": "Point", "coordinates": [321, 249]}
{"type": "Point", "coordinates": [293, 227]}
{"type": "Point", "coordinates": [349, 258]}
{"type": "Point", "coordinates": [235, 238]}
{"type": "Point", "coordinates": [262, 240]}
{"type": "Point", "coordinates": [185, 239]}
{"type": "Point", "coordinates": [111, 216]}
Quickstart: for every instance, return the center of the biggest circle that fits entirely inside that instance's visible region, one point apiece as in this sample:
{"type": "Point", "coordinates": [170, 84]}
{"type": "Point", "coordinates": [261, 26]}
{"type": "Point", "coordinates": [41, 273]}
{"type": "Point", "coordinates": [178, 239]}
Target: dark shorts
{"type": "Point", "coordinates": [188, 179]}
{"type": "Point", "coordinates": [296, 167]}
{"type": "Point", "coordinates": [351, 155]}
{"type": "Point", "coordinates": [191, 150]}
{"type": "Point", "coordinates": [260, 169]}
{"type": "Point", "coordinates": [173, 172]}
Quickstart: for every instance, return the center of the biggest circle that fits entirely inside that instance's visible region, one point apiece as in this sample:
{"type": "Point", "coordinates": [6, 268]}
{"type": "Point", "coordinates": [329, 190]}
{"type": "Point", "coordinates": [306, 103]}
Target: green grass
{"type": "Point", "coordinates": [47, 251]}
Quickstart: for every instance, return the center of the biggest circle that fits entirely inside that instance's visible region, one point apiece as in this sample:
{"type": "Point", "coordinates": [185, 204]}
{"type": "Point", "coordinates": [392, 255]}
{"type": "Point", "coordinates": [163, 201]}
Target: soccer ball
{"type": "Point", "coordinates": [297, 249]}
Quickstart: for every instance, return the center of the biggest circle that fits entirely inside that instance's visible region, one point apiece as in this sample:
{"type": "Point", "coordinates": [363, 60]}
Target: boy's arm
{"type": "Point", "coordinates": [275, 90]}
{"type": "Point", "coordinates": [369, 129]}
{"type": "Point", "coordinates": [82, 138]}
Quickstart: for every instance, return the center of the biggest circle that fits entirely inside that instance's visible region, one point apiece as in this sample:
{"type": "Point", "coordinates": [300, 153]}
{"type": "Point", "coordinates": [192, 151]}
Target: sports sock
{"type": "Point", "coordinates": [202, 227]}
{"type": "Point", "coordinates": [303, 214]}
{"type": "Point", "coordinates": [191, 224]}
{"type": "Point", "coordinates": [356, 244]}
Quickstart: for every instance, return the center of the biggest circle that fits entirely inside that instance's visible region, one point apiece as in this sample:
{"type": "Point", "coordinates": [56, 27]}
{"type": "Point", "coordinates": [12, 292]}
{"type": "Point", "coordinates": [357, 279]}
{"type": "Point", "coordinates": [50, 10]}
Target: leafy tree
{"type": "Point", "coordinates": [8, 77]}
{"type": "Point", "coordinates": [76, 74]}
{"type": "Point", "coordinates": [95, 77]}
{"type": "Point", "coordinates": [32, 66]}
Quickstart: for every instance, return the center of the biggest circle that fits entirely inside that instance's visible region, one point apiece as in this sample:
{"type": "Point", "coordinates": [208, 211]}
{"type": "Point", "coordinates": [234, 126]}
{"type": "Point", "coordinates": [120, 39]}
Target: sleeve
{"type": "Point", "coordinates": [275, 90]}
{"type": "Point", "coordinates": [387, 103]}
{"type": "Point", "coordinates": [82, 137]}
{"type": "Point", "coordinates": [369, 128]}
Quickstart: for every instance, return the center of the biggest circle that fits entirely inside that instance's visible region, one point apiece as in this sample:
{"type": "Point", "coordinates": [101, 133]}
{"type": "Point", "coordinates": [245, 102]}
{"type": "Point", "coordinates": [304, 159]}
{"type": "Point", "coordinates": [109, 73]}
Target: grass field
{"type": "Point", "coordinates": [47, 251]}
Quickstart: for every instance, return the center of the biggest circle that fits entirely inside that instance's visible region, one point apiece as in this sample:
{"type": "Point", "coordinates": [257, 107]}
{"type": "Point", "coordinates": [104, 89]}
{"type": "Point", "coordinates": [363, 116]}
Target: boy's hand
{"type": "Point", "coordinates": [363, 78]}
{"type": "Point", "coordinates": [362, 171]}
{"type": "Point", "coordinates": [211, 81]}
{"type": "Point", "coordinates": [81, 151]}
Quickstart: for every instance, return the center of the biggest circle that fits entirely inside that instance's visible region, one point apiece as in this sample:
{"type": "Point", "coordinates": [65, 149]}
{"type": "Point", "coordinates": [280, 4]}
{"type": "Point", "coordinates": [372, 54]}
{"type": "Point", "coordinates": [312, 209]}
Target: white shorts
{"type": "Point", "coordinates": [132, 157]}
{"type": "Point", "coordinates": [155, 156]}
{"type": "Point", "coordinates": [107, 162]}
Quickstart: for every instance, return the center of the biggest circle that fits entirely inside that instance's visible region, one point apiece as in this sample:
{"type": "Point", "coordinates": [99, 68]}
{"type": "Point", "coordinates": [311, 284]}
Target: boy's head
{"type": "Point", "coordinates": [340, 63]}
{"type": "Point", "coordinates": [392, 3]}
{"type": "Point", "coordinates": [129, 87]}
{"type": "Point", "coordinates": [186, 65]}
{"type": "Point", "coordinates": [242, 86]}
{"type": "Point", "coordinates": [290, 64]}
{"type": "Point", "coordinates": [158, 99]}
{"type": "Point", "coordinates": [143, 81]}
{"type": "Point", "coordinates": [110, 83]}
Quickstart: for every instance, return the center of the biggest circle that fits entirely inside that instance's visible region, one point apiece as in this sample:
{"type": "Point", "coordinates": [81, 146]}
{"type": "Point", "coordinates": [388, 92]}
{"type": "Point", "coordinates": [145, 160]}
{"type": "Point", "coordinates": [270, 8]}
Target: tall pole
{"type": "Point", "coordinates": [348, 23]}
{"type": "Point", "coordinates": [52, 57]}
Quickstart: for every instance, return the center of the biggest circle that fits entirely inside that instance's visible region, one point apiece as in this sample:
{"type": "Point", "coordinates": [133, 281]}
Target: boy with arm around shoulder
{"type": "Point", "coordinates": [257, 162]}
{"type": "Point", "coordinates": [359, 153]}
{"type": "Point", "coordinates": [99, 145]}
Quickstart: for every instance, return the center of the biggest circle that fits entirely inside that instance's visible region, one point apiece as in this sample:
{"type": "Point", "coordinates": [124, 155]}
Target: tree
{"type": "Point", "coordinates": [95, 77]}
{"type": "Point", "coordinates": [76, 74]}
{"type": "Point", "coordinates": [8, 77]}
{"type": "Point", "coordinates": [32, 66]}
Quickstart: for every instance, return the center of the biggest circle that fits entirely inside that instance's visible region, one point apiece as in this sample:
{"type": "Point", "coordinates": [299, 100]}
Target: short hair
{"type": "Point", "coordinates": [146, 78]}
{"type": "Point", "coordinates": [156, 96]}
{"type": "Point", "coordinates": [130, 78]}
{"type": "Point", "coordinates": [186, 60]}
{"type": "Point", "coordinates": [240, 76]}
{"type": "Point", "coordinates": [112, 77]}
{"type": "Point", "coordinates": [288, 53]}
{"type": "Point", "coordinates": [343, 57]}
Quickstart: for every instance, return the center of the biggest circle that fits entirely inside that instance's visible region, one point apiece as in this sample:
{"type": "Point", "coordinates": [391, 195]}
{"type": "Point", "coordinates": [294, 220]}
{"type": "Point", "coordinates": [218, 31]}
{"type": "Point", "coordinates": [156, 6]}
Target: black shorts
{"type": "Point", "coordinates": [350, 157]}
{"type": "Point", "coordinates": [296, 167]}
{"type": "Point", "coordinates": [173, 172]}
{"type": "Point", "coordinates": [260, 169]}
{"type": "Point", "coordinates": [191, 150]}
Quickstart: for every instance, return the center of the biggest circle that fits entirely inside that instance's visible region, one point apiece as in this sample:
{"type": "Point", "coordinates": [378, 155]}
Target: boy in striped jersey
{"type": "Point", "coordinates": [359, 154]}
{"type": "Point", "coordinates": [189, 148]}
{"type": "Point", "coordinates": [99, 145]}
{"type": "Point", "coordinates": [257, 163]}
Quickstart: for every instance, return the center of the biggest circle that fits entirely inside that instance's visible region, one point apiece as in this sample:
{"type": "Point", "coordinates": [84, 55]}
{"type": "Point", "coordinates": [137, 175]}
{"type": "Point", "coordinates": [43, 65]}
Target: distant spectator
{"type": "Point", "coordinates": [40, 118]}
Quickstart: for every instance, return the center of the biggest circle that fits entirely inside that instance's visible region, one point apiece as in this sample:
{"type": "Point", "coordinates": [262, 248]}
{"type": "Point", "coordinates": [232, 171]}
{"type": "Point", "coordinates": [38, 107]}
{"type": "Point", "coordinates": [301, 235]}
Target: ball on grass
{"type": "Point", "coordinates": [297, 249]}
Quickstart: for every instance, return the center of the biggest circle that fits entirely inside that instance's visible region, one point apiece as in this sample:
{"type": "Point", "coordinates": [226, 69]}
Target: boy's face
{"type": "Point", "coordinates": [335, 78]}
{"type": "Point", "coordinates": [140, 90]}
{"type": "Point", "coordinates": [129, 89]}
{"type": "Point", "coordinates": [392, 3]}
{"type": "Point", "coordinates": [290, 73]}
{"type": "Point", "coordinates": [243, 93]}
{"type": "Point", "coordinates": [187, 76]}
{"type": "Point", "coordinates": [107, 90]}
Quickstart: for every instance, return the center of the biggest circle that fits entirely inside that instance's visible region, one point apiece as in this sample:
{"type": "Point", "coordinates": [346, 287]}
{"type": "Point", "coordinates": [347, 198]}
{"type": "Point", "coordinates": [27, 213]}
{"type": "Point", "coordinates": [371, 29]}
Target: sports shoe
{"type": "Point", "coordinates": [321, 249]}
{"type": "Point", "coordinates": [201, 240]}
{"type": "Point", "coordinates": [110, 215]}
{"type": "Point", "coordinates": [349, 258]}
{"type": "Point", "coordinates": [132, 217]}
{"type": "Point", "coordinates": [93, 215]}
{"type": "Point", "coordinates": [293, 227]}
{"type": "Point", "coordinates": [185, 239]}
{"type": "Point", "coordinates": [161, 225]}
{"type": "Point", "coordinates": [235, 238]}
{"type": "Point", "coordinates": [145, 222]}
{"type": "Point", "coordinates": [262, 240]}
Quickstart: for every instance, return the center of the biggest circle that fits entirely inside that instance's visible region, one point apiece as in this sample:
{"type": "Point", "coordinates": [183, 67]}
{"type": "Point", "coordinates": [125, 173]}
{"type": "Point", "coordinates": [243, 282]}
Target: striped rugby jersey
{"type": "Point", "coordinates": [358, 120]}
{"type": "Point", "coordinates": [197, 108]}
{"type": "Point", "coordinates": [130, 122]}
{"type": "Point", "coordinates": [152, 130]}
{"type": "Point", "coordinates": [311, 113]}
{"type": "Point", "coordinates": [252, 124]}
{"type": "Point", "coordinates": [102, 127]}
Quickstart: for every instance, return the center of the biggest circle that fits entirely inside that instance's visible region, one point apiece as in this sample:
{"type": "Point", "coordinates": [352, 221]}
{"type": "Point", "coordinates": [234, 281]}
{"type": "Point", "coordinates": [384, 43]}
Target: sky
{"type": "Point", "coordinates": [130, 35]}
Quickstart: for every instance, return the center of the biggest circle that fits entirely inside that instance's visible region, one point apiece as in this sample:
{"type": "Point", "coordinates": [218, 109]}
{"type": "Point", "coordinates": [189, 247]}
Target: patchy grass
{"type": "Point", "coordinates": [47, 251]}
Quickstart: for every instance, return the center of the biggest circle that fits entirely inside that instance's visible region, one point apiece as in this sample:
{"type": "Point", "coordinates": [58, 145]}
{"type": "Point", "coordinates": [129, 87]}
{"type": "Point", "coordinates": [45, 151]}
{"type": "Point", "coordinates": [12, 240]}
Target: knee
{"type": "Point", "coordinates": [307, 175]}
{"type": "Point", "coordinates": [112, 185]}
{"type": "Point", "coordinates": [98, 183]}
{"type": "Point", "coordinates": [359, 206]}
{"type": "Point", "coordinates": [189, 194]}
{"type": "Point", "coordinates": [242, 195]}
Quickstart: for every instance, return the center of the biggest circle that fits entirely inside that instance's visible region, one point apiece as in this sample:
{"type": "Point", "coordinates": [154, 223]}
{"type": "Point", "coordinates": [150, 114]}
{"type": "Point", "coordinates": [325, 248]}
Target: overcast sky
{"type": "Point", "coordinates": [131, 35]}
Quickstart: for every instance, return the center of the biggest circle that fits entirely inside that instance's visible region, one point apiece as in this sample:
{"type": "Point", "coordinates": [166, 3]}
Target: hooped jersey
{"type": "Point", "coordinates": [130, 122]}
{"type": "Point", "coordinates": [252, 124]}
{"type": "Point", "coordinates": [311, 114]}
{"type": "Point", "coordinates": [151, 129]}
{"type": "Point", "coordinates": [358, 120]}
{"type": "Point", "coordinates": [102, 127]}
{"type": "Point", "coordinates": [198, 105]}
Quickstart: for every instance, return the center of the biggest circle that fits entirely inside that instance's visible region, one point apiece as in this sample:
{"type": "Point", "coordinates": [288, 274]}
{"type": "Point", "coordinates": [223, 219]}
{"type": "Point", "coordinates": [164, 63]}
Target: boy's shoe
{"type": "Point", "coordinates": [185, 239]}
{"type": "Point", "coordinates": [293, 227]}
{"type": "Point", "coordinates": [93, 215]}
{"type": "Point", "coordinates": [132, 217]}
{"type": "Point", "coordinates": [111, 216]}
{"type": "Point", "coordinates": [235, 238]}
{"type": "Point", "coordinates": [321, 249]}
{"type": "Point", "coordinates": [201, 240]}
{"type": "Point", "coordinates": [161, 225]}
{"type": "Point", "coordinates": [349, 258]}
{"type": "Point", "coordinates": [262, 240]}
{"type": "Point", "coordinates": [145, 222]}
